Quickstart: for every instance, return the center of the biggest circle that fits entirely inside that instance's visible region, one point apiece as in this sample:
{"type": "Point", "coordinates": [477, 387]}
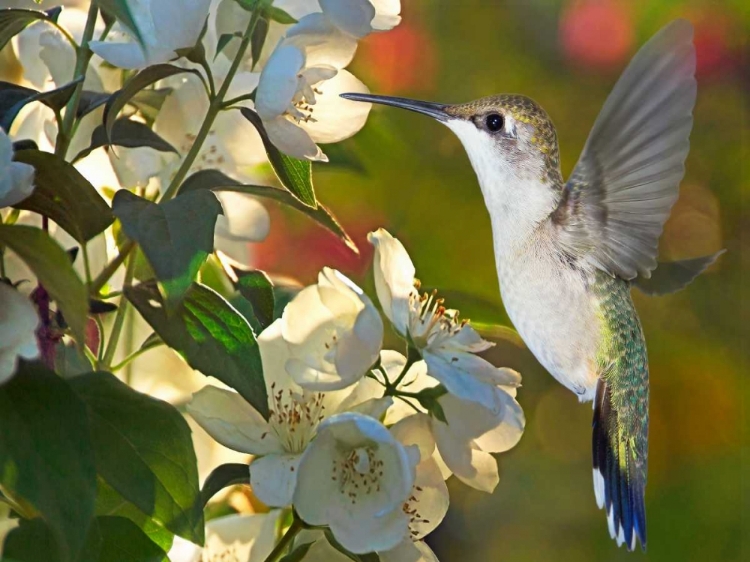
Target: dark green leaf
{"type": "Point", "coordinates": [224, 40]}
{"type": "Point", "coordinates": [229, 474]}
{"type": "Point", "coordinates": [15, 20]}
{"type": "Point", "coordinates": [144, 78]}
{"type": "Point", "coordinates": [71, 361]}
{"type": "Point", "coordinates": [257, 288]}
{"type": "Point", "coordinates": [127, 133]}
{"type": "Point", "coordinates": [295, 175]}
{"type": "Point", "coordinates": [110, 503]}
{"type": "Point", "coordinates": [149, 101]}
{"type": "Point", "coordinates": [429, 398]}
{"type": "Point", "coordinates": [50, 263]}
{"type": "Point", "coordinates": [371, 557]}
{"type": "Point", "coordinates": [152, 341]}
{"type": "Point", "coordinates": [89, 101]}
{"type": "Point", "coordinates": [120, 9]}
{"type": "Point", "coordinates": [217, 181]}
{"type": "Point", "coordinates": [278, 15]}
{"type": "Point", "coordinates": [144, 451]}
{"type": "Point", "coordinates": [258, 39]}
{"type": "Point", "coordinates": [45, 453]}
{"type": "Point", "coordinates": [123, 541]}
{"type": "Point", "coordinates": [25, 144]}
{"type": "Point", "coordinates": [97, 306]}
{"type": "Point", "coordinates": [212, 336]}
{"type": "Point", "coordinates": [177, 236]}
{"type": "Point", "coordinates": [298, 553]}
{"type": "Point", "coordinates": [65, 196]}
{"type": "Point", "coordinates": [110, 539]}
{"type": "Point", "coordinates": [14, 97]}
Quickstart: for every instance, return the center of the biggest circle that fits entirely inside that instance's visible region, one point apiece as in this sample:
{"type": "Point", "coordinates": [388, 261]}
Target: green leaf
{"type": "Point", "coordinates": [144, 78]}
{"type": "Point", "coordinates": [257, 288]}
{"type": "Point", "coordinates": [65, 196]}
{"type": "Point", "coordinates": [144, 451]}
{"type": "Point", "coordinates": [224, 40]}
{"type": "Point", "coordinates": [258, 39]}
{"type": "Point", "coordinates": [176, 236]}
{"type": "Point", "coordinates": [14, 97]}
{"type": "Point", "coordinates": [212, 336]}
{"type": "Point", "coordinates": [110, 503]}
{"type": "Point", "coordinates": [429, 398]}
{"type": "Point", "coordinates": [120, 9]}
{"type": "Point", "coordinates": [51, 265]}
{"type": "Point", "coordinates": [149, 102]}
{"type": "Point", "coordinates": [70, 361]}
{"type": "Point", "coordinates": [45, 453]}
{"type": "Point", "coordinates": [110, 539]}
{"type": "Point", "coordinates": [222, 476]}
{"type": "Point", "coordinates": [278, 15]}
{"type": "Point", "coordinates": [298, 553]}
{"type": "Point", "coordinates": [14, 21]}
{"type": "Point", "coordinates": [295, 175]}
{"type": "Point", "coordinates": [123, 541]}
{"type": "Point", "coordinates": [127, 133]}
{"type": "Point", "coordinates": [217, 181]}
{"type": "Point", "coordinates": [90, 101]}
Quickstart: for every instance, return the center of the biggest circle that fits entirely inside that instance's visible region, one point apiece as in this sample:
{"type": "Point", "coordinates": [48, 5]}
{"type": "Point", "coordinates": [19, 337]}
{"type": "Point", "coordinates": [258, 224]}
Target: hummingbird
{"type": "Point", "coordinates": [569, 252]}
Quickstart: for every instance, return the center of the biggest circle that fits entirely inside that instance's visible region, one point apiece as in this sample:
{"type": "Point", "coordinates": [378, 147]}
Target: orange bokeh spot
{"type": "Point", "coordinates": [597, 33]}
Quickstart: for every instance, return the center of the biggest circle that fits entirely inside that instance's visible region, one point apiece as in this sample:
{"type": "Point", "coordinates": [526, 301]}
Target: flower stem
{"type": "Point", "coordinates": [286, 540]}
{"type": "Point", "coordinates": [114, 335]}
{"type": "Point", "coordinates": [214, 108]}
{"type": "Point", "coordinates": [110, 269]}
{"type": "Point", "coordinates": [412, 356]}
{"type": "Point", "coordinates": [125, 362]}
{"type": "Point", "coordinates": [83, 55]}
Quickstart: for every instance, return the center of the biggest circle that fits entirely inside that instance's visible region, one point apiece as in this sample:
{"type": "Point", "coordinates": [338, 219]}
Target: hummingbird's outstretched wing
{"type": "Point", "coordinates": [620, 193]}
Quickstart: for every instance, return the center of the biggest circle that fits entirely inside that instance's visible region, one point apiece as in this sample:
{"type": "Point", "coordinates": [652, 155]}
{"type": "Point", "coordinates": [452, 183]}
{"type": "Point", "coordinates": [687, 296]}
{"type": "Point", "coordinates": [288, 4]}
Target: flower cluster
{"type": "Point", "coordinates": [359, 439]}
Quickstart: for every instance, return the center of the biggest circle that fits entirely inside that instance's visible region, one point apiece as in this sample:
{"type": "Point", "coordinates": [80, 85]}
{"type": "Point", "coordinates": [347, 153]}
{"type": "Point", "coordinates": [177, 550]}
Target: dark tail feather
{"type": "Point", "coordinates": [619, 481]}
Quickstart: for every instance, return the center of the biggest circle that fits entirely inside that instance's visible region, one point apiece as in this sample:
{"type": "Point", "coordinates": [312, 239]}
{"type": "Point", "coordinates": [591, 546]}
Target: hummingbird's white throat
{"type": "Point", "coordinates": [518, 201]}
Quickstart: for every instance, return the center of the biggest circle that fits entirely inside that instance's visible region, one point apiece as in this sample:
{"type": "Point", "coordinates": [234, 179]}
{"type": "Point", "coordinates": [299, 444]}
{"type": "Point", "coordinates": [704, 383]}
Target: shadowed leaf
{"type": "Point", "coordinates": [13, 98]}
{"type": "Point", "coordinates": [127, 133]}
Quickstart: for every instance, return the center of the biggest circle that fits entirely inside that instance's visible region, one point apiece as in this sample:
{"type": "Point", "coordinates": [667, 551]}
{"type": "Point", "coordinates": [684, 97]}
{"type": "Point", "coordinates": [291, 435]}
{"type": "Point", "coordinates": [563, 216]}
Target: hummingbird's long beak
{"type": "Point", "coordinates": [434, 110]}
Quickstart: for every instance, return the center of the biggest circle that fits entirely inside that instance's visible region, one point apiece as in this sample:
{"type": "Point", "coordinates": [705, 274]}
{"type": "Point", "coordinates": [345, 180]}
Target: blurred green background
{"type": "Point", "coordinates": [411, 175]}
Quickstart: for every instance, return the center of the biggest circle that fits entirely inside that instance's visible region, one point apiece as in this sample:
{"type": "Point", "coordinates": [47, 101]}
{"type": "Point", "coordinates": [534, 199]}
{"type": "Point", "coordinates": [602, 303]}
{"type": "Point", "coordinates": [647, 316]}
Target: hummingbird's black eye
{"type": "Point", "coordinates": [494, 122]}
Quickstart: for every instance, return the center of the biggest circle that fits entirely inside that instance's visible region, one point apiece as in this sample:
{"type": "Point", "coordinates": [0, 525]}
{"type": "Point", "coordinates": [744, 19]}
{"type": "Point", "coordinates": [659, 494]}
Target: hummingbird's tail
{"type": "Point", "coordinates": [619, 454]}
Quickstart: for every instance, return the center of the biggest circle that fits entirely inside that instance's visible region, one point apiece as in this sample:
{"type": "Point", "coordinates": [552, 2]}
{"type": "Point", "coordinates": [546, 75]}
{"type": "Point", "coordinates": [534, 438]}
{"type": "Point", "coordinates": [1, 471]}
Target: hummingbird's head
{"type": "Point", "coordinates": [506, 135]}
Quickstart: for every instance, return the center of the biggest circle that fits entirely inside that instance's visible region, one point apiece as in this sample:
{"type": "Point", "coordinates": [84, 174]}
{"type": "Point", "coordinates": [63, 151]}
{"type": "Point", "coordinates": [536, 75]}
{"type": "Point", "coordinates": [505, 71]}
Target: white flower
{"type": "Point", "coordinates": [464, 444]}
{"type": "Point", "coordinates": [355, 478]}
{"type": "Point", "coordinates": [361, 17]}
{"type": "Point", "coordinates": [295, 417]}
{"type": "Point", "coordinates": [298, 94]}
{"type": "Point", "coordinates": [16, 178]}
{"type": "Point", "coordinates": [249, 538]}
{"type": "Point", "coordinates": [233, 146]}
{"type": "Point", "coordinates": [447, 344]}
{"type": "Point", "coordinates": [18, 322]}
{"type": "Point", "coordinates": [333, 331]}
{"type": "Point", "coordinates": [164, 27]}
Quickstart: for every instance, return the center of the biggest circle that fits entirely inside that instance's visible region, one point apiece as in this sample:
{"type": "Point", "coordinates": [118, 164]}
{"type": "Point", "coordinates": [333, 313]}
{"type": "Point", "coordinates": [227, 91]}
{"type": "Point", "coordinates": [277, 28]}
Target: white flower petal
{"type": "Point", "coordinates": [18, 322]}
{"type": "Point", "coordinates": [394, 277]}
{"type": "Point", "coordinates": [430, 501]}
{"type": "Point", "coordinates": [274, 354]}
{"type": "Point", "coordinates": [409, 551]}
{"type": "Point", "coordinates": [506, 434]}
{"type": "Point", "coordinates": [278, 81]}
{"type": "Point", "coordinates": [336, 118]}
{"type": "Point", "coordinates": [249, 538]}
{"type": "Point", "coordinates": [370, 534]}
{"type": "Point", "coordinates": [351, 16]}
{"type": "Point", "coordinates": [291, 139]}
{"type": "Point", "coordinates": [386, 14]}
{"type": "Point", "coordinates": [121, 55]}
{"type": "Point", "coordinates": [17, 185]}
{"type": "Point", "coordinates": [245, 219]}
{"type": "Point", "coordinates": [232, 421]}
{"type": "Point", "coordinates": [273, 479]}
{"type": "Point", "coordinates": [473, 467]}
{"type": "Point", "coordinates": [459, 382]}
{"type": "Point", "coordinates": [416, 430]}
{"type": "Point", "coordinates": [321, 41]}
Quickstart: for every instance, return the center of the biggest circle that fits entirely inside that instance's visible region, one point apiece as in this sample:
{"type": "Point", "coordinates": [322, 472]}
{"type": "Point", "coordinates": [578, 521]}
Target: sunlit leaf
{"type": "Point", "coordinates": [144, 451]}
{"type": "Point", "coordinates": [51, 265]}
{"type": "Point", "coordinates": [65, 196]}
{"type": "Point", "coordinates": [127, 133]}
{"type": "Point", "coordinates": [257, 288]}
{"type": "Point", "coordinates": [211, 335]}
{"type": "Point", "coordinates": [217, 181]}
{"type": "Point", "coordinates": [176, 236]}
{"type": "Point", "coordinates": [45, 454]}
{"type": "Point", "coordinates": [295, 175]}
{"type": "Point", "coordinates": [14, 97]}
